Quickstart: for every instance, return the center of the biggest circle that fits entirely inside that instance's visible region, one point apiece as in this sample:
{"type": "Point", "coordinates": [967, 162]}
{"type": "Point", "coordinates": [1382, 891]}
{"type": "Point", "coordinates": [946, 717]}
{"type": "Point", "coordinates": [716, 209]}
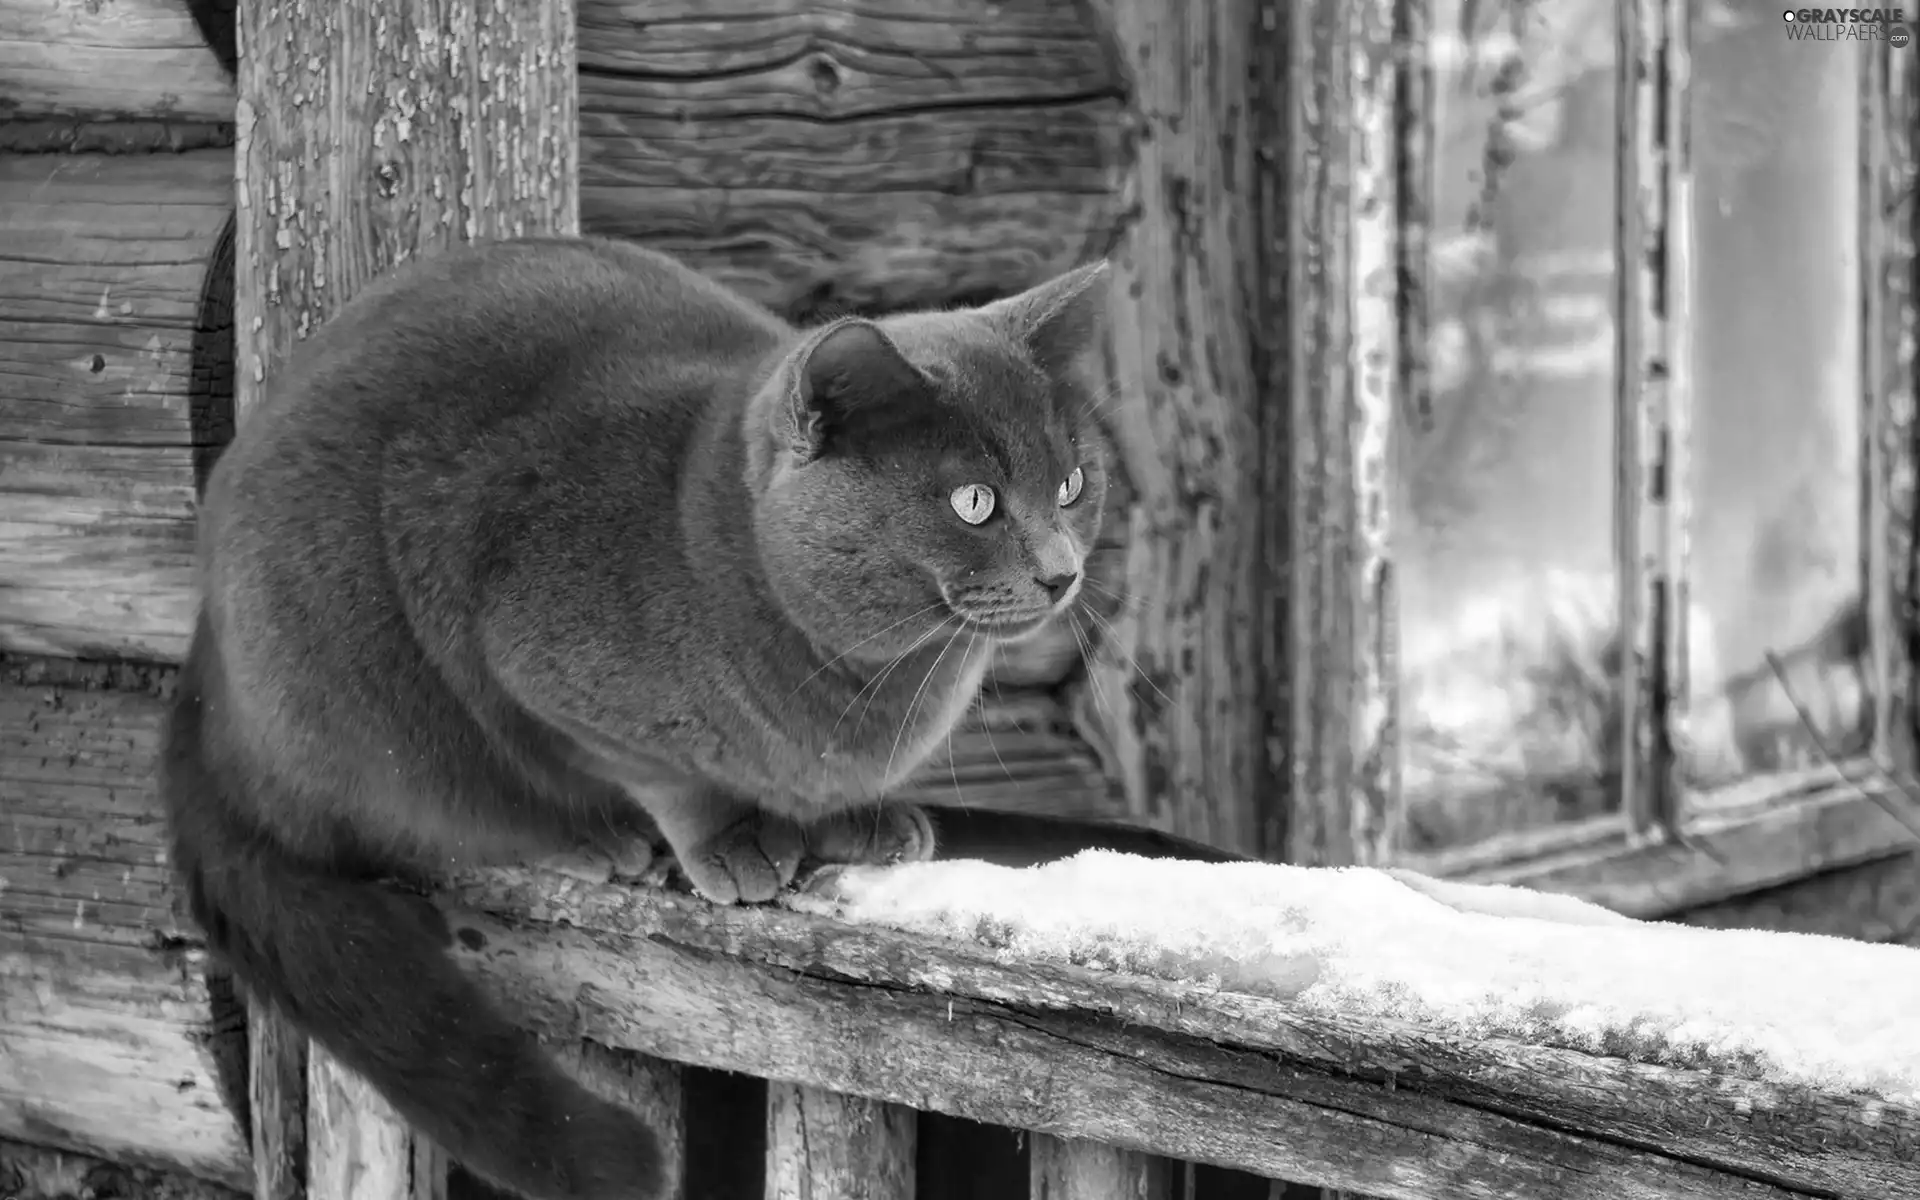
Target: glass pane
{"type": "Point", "coordinates": [1505, 489]}
{"type": "Point", "coordinates": [1777, 468]}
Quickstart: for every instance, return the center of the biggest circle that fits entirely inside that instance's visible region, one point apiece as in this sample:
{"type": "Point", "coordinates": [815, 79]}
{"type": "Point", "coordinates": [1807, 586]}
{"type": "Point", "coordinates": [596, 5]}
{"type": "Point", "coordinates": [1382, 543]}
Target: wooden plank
{"type": "Point", "coordinates": [38, 1173]}
{"type": "Point", "coordinates": [1877, 901]}
{"type": "Point", "coordinates": [411, 127]}
{"type": "Point", "coordinates": [116, 380]}
{"type": "Point", "coordinates": [824, 1145]}
{"type": "Point", "coordinates": [1889, 229]}
{"type": "Point", "coordinates": [126, 59]}
{"type": "Point", "coordinates": [108, 1029]}
{"type": "Point", "coordinates": [277, 1108]}
{"type": "Point", "coordinates": [987, 140]}
{"type": "Point", "coordinates": [1773, 831]}
{"type": "Point", "coordinates": [1173, 699]}
{"type": "Point", "coordinates": [1344, 378]}
{"type": "Point", "coordinates": [1375, 1106]}
{"type": "Point", "coordinates": [1074, 1169]}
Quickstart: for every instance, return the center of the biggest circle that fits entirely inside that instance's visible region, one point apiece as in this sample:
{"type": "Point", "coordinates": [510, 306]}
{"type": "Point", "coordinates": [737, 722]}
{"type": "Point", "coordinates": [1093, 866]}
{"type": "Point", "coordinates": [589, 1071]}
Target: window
{"type": "Point", "coordinates": [1651, 483]}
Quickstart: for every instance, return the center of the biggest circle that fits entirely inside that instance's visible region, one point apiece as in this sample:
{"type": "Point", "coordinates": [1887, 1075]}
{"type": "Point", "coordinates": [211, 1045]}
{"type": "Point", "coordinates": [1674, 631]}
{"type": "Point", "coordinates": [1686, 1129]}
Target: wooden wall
{"type": "Point", "coordinates": [820, 155]}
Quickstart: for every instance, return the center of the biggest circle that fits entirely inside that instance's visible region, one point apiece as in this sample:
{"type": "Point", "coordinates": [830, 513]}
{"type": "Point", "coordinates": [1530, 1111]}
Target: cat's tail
{"type": "Point", "coordinates": [364, 971]}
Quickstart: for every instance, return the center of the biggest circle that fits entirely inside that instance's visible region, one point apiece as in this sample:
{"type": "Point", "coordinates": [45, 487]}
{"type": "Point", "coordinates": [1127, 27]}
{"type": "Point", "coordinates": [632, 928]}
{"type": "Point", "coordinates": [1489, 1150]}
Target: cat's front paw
{"type": "Point", "coordinates": [891, 833]}
{"type": "Point", "coordinates": [747, 862]}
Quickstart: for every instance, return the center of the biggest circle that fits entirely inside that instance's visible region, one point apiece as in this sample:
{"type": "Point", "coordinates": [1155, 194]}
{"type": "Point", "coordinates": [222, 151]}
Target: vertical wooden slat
{"type": "Point", "coordinates": [366, 135]}
{"type": "Point", "coordinates": [1346, 333]}
{"type": "Point", "coordinates": [652, 1087]}
{"type": "Point", "coordinates": [1074, 1169]}
{"type": "Point", "coordinates": [276, 1093]}
{"type": "Point", "coordinates": [823, 1145]}
{"type": "Point", "coordinates": [1889, 226]}
{"type": "Point", "coordinates": [1650, 165]}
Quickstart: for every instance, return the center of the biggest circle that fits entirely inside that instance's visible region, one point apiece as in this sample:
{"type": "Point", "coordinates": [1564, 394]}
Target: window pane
{"type": "Point", "coordinates": [1505, 488]}
{"type": "Point", "coordinates": [1777, 468]}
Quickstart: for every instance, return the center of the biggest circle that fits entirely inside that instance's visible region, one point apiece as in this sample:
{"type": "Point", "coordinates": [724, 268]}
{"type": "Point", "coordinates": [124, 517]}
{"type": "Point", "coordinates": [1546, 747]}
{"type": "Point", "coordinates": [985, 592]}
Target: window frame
{"type": "Point", "coordinates": [1666, 848]}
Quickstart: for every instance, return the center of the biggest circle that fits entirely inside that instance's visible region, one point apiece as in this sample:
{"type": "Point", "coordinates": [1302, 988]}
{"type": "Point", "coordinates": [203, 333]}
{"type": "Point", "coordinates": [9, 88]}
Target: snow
{"type": "Point", "coordinates": [1456, 959]}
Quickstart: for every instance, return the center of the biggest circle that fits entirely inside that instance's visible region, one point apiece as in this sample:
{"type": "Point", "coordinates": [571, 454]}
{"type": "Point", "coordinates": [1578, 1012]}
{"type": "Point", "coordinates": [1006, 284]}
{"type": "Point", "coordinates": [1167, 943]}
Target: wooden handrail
{"type": "Point", "coordinates": [1383, 1107]}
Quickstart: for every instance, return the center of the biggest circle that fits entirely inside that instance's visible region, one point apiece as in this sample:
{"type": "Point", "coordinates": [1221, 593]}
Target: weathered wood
{"type": "Point", "coordinates": [109, 1040]}
{"type": "Point", "coordinates": [276, 1102]}
{"type": "Point", "coordinates": [1380, 1107]}
{"type": "Point", "coordinates": [987, 141]}
{"type": "Point", "coordinates": [1770, 831]}
{"type": "Point", "coordinates": [38, 1173]}
{"type": "Point", "coordinates": [651, 1086]}
{"type": "Point", "coordinates": [125, 59]}
{"type": "Point", "coordinates": [357, 1146]}
{"type": "Point", "coordinates": [1873, 902]}
{"type": "Point", "coordinates": [824, 1145]}
{"type": "Point", "coordinates": [114, 379]}
{"type": "Point", "coordinates": [1348, 336]}
{"type": "Point", "coordinates": [1072, 1169]}
{"type": "Point", "coordinates": [1174, 697]}
{"type": "Point", "coordinates": [365, 136]}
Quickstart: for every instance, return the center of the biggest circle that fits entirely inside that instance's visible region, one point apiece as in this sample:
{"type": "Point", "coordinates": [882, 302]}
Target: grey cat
{"type": "Point", "coordinates": [551, 543]}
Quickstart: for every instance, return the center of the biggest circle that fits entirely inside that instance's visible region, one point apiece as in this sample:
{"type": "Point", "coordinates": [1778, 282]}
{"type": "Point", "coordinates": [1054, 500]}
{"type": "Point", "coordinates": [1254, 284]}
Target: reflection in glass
{"type": "Point", "coordinates": [1777, 472]}
{"type": "Point", "coordinates": [1505, 488]}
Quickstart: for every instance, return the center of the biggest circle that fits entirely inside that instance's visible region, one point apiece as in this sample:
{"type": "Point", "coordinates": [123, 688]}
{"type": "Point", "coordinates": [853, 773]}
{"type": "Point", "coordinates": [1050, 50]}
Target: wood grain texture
{"type": "Point", "coordinates": [38, 1173]}
{"type": "Point", "coordinates": [109, 1043]}
{"type": "Point", "coordinates": [120, 59]}
{"type": "Point", "coordinates": [1877, 901]}
{"type": "Point", "coordinates": [852, 153]}
{"type": "Point", "coordinates": [824, 1145]}
{"type": "Point", "coordinates": [365, 136]}
{"type": "Point", "coordinates": [1175, 693]}
{"type": "Point", "coordinates": [1373, 1106]}
{"type": "Point", "coordinates": [1072, 1169]}
{"type": "Point", "coordinates": [1773, 831]}
{"type": "Point", "coordinates": [113, 383]}
{"type": "Point", "coordinates": [1339, 381]}
{"type": "Point", "coordinates": [276, 1105]}
{"type": "Point", "coordinates": [358, 1148]}
{"type": "Point", "coordinates": [1890, 230]}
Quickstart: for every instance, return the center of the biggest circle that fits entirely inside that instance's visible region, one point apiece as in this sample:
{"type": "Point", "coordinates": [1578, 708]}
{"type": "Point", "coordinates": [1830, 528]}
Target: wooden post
{"type": "Point", "coordinates": [824, 1145]}
{"type": "Point", "coordinates": [1073, 1169]}
{"type": "Point", "coordinates": [367, 134]}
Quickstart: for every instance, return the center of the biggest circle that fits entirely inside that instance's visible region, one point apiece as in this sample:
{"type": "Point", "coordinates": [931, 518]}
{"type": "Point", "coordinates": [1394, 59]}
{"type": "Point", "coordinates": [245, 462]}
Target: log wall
{"type": "Point", "coordinates": [120, 60]}
{"type": "Point", "coordinates": [115, 385]}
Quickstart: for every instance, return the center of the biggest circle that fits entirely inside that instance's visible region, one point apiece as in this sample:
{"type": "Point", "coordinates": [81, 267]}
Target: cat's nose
{"type": "Point", "coordinates": [1057, 584]}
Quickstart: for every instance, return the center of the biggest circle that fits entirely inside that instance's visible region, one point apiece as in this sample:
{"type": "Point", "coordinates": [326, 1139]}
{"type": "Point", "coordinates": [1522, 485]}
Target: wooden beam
{"type": "Point", "coordinates": [366, 136]}
{"type": "Point", "coordinates": [824, 1145]}
{"type": "Point", "coordinates": [128, 59]}
{"type": "Point", "coordinates": [115, 385]}
{"type": "Point", "coordinates": [1376, 1106]}
{"type": "Point", "coordinates": [1175, 694]}
{"type": "Point", "coordinates": [987, 141]}
{"type": "Point", "coordinates": [108, 1030]}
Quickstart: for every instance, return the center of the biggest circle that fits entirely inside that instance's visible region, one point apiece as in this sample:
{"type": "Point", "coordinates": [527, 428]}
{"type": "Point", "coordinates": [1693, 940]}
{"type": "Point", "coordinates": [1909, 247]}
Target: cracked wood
{"type": "Point", "coordinates": [1373, 1106]}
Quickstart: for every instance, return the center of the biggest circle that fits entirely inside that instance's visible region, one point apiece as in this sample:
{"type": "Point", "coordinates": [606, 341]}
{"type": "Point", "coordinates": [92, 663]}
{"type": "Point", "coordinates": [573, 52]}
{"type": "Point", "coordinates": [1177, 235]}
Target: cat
{"type": "Point", "coordinates": [553, 544]}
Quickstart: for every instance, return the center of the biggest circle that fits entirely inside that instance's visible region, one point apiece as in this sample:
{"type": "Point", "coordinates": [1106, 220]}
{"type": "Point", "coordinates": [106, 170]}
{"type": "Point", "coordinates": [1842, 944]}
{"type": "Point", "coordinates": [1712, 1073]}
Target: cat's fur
{"type": "Point", "coordinates": [538, 540]}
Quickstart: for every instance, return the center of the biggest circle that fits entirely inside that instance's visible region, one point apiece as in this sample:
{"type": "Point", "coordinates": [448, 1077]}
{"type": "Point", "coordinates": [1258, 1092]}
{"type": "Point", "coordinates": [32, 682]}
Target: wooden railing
{"type": "Point", "coordinates": [859, 1025]}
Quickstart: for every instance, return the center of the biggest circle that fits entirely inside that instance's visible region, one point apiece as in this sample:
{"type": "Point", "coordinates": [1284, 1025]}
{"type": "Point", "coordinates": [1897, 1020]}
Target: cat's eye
{"type": "Point", "coordinates": [1070, 487]}
{"type": "Point", "coordinates": [973, 501]}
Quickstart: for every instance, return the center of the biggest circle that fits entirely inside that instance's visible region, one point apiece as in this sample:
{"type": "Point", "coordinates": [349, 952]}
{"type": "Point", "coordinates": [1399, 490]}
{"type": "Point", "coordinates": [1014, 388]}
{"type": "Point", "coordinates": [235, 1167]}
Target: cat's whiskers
{"type": "Point", "coordinates": [863, 641]}
{"type": "Point", "coordinates": [915, 702]}
{"type": "Point", "coordinates": [878, 679]}
{"type": "Point", "coordinates": [986, 727]}
{"type": "Point", "coordinates": [1093, 677]}
{"type": "Point", "coordinates": [1112, 640]}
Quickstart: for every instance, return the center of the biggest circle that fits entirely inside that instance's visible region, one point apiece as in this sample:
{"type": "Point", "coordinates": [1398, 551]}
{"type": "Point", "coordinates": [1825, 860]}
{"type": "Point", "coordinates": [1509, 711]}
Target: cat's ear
{"type": "Point", "coordinates": [1057, 320]}
{"type": "Point", "coordinates": [848, 372]}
